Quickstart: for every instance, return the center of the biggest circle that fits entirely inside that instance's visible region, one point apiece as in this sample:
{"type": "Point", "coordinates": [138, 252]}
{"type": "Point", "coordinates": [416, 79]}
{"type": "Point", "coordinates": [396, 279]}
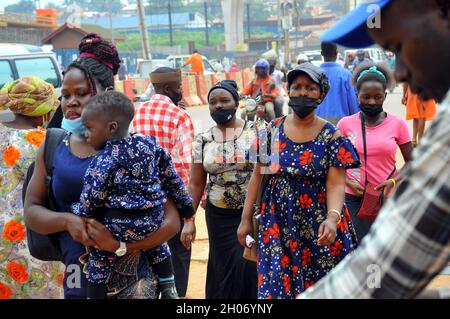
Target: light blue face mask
{"type": "Point", "coordinates": [74, 126]}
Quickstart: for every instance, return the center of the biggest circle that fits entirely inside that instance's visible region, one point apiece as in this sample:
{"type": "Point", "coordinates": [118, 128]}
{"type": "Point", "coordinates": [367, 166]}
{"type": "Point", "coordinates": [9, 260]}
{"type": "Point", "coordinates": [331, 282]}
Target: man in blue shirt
{"type": "Point", "coordinates": [341, 99]}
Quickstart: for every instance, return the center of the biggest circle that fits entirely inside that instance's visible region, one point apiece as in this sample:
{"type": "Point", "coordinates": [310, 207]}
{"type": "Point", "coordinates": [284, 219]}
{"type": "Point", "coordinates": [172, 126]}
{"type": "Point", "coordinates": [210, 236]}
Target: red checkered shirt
{"type": "Point", "coordinates": [171, 126]}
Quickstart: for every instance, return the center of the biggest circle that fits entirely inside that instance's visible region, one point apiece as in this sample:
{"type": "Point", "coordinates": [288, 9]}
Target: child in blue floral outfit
{"type": "Point", "coordinates": [125, 188]}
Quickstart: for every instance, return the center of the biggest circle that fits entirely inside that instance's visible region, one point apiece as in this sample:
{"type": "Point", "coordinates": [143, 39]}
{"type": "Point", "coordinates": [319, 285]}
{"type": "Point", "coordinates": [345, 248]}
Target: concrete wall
{"type": "Point", "coordinates": [233, 13]}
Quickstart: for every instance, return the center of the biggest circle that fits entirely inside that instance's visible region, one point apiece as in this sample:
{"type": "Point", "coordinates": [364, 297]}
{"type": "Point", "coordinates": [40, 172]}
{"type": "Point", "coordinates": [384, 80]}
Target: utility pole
{"type": "Point", "coordinates": [286, 35]}
{"type": "Point", "coordinates": [143, 28]}
{"type": "Point", "coordinates": [170, 23]}
{"type": "Point", "coordinates": [205, 5]}
{"type": "Point", "coordinates": [248, 19]}
{"type": "Point", "coordinates": [278, 27]}
{"type": "Point", "coordinates": [110, 22]}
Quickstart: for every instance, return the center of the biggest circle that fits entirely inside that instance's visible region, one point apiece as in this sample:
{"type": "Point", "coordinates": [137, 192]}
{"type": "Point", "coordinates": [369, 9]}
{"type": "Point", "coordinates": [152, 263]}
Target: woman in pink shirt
{"type": "Point", "coordinates": [384, 133]}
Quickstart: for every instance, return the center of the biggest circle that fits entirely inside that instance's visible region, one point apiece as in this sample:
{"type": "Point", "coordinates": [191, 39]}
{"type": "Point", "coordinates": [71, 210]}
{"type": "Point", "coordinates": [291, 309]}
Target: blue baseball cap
{"type": "Point", "coordinates": [351, 30]}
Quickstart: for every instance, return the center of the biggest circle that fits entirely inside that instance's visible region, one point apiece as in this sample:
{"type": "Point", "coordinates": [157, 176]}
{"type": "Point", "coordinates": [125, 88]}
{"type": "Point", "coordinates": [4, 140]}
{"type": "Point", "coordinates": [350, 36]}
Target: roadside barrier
{"type": "Point", "coordinates": [195, 88]}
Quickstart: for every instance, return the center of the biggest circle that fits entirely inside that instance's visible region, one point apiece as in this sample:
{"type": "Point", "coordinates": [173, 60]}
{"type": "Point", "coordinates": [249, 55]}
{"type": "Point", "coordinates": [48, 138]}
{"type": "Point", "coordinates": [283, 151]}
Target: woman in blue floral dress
{"type": "Point", "coordinates": [305, 229]}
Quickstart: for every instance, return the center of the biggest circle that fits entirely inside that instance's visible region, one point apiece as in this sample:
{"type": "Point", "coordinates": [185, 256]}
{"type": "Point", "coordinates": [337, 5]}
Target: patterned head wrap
{"type": "Point", "coordinates": [29, 96]}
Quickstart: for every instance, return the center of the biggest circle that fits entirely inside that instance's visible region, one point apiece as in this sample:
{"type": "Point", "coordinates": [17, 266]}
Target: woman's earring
{"type": "Point", "coordinates": [109, 88]}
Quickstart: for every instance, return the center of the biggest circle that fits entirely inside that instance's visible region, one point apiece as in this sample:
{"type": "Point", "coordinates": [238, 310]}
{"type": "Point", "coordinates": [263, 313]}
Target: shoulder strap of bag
{"type": "Point", "coordinates": [266, 177]}
{"type": "Point", "coordinates": [53, 138]}
{"type": "Point", "coordinates": [363, 129]}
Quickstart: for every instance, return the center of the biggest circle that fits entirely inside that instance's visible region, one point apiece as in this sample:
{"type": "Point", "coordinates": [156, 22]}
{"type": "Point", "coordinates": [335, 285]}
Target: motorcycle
{"type": "Point", "coordinates": [254, 109]}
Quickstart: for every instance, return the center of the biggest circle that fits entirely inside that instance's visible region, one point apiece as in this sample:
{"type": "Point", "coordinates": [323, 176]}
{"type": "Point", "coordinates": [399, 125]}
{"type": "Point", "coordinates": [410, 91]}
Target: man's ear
{"type": "Point", "coordinates": [113, 127]}
{"type": "Point", "coordinates": [166, 89]}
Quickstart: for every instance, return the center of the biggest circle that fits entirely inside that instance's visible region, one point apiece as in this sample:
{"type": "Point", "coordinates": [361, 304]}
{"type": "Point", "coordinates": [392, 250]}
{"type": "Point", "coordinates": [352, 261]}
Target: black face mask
{"type": "Point", "coordinates": [371, 109]}
{"type": "Point", "coordinates": [222, 116]}
{"type": "Point", "coordinates": [302, 105]}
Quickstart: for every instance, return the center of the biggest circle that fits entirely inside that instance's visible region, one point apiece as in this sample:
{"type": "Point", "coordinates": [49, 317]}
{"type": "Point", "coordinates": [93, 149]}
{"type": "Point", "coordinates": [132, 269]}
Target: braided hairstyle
{"type": "Point", "coordinates": [99, 61]}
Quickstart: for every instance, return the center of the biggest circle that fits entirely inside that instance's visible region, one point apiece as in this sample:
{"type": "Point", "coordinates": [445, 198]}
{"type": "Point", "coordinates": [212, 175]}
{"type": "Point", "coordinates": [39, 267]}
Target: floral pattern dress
{"type": "Point", "coordinates": [228, 169]}
{"type": "Point", "coordinates": [21, 276]}
{"type": "Point", "coordinates": [293, 207]}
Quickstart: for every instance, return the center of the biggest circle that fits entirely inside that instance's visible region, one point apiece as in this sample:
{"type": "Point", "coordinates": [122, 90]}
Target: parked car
{"type": "Point", "coordinates": [315, 57]}
{"type": "Point", "coordinates": [19, 60]}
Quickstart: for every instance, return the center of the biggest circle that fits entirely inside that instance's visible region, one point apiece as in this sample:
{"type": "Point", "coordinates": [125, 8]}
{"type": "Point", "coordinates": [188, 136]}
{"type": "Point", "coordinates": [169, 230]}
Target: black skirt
{"type": "Point", "coordinates": [229, 275]}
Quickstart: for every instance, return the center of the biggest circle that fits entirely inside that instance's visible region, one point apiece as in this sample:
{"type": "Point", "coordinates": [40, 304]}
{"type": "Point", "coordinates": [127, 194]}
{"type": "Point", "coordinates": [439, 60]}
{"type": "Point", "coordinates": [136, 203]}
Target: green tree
{"type": "Point", "coordinates": [23, 6]}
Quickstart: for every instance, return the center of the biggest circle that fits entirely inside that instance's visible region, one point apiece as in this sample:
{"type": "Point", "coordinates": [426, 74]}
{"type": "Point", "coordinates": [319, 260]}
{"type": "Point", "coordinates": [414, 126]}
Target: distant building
{"type": "Point", "coordinates": [157, 22]}
{"type": "Point", "coordinates": [66, 38]}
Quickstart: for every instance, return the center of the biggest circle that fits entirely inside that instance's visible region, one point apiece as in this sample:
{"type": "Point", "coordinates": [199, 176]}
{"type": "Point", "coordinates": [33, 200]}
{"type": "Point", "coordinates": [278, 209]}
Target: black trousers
{"type": "Point", "coordinates": [362, 226]}
{"type": "Point", "coordinates": [181, 260]}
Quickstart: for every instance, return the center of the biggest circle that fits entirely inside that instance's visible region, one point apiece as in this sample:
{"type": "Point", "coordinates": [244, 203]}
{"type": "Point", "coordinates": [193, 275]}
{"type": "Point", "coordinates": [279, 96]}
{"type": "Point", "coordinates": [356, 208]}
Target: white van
{"type": "Point", "coordinates": [19, 60]}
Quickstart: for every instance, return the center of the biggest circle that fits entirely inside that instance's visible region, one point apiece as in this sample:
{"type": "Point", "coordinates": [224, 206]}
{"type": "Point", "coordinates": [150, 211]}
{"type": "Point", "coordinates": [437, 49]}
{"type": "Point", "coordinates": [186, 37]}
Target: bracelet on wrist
{"type": "Point", "coordinates": [393, 181]}
{"type": "Point", "coordinates": [338, 213]}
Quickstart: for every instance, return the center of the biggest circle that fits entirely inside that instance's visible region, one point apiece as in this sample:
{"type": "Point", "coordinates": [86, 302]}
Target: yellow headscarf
{"type": "Point", "coordinates": [29, 96]}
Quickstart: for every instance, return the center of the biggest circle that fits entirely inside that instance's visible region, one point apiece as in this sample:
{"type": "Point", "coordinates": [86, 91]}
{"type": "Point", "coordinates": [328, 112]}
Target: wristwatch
{"type": "Point", "coordinates": [122, 250]}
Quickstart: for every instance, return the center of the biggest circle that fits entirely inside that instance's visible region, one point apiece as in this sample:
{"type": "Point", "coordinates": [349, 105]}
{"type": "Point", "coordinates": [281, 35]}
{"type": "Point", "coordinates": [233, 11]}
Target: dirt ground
{"type": "Point", "coordinates": [199, 259]}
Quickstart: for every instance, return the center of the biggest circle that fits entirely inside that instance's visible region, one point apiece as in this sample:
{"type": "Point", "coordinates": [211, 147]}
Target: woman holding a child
{"type": "Point", "coordinates": [91, 74]}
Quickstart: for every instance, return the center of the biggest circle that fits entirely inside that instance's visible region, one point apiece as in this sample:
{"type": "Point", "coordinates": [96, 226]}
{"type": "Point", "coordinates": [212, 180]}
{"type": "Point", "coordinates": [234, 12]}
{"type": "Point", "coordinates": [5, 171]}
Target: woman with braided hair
{"type": "Point", "coordinates": [31, 100]}
{"type": "Point", "coordinates": [98, 61]}
{"type": "Point", "coordinates": [131, 277]}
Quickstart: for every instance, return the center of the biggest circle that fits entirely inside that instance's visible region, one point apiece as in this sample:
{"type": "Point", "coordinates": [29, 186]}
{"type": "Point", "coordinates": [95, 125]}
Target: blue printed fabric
{"type": "Point", "coordinates": [133, 175]}
{"type": "Point", "coordinates": [294, 205]}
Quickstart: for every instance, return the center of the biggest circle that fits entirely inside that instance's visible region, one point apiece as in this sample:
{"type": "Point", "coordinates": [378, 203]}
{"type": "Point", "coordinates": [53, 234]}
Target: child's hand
{"type": "Point", "coordinates": [188, 234]}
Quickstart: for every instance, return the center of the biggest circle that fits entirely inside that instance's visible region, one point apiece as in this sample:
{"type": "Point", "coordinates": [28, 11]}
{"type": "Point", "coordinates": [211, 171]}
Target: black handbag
{"type": "Point", "coordinates": [45, 247]}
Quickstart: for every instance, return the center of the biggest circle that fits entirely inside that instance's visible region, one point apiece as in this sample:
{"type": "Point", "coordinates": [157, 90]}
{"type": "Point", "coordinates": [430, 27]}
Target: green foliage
{"type": "Point", "coordinates": [180, 37]}
{"type": "Point", "coordinates": [133, 42]}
